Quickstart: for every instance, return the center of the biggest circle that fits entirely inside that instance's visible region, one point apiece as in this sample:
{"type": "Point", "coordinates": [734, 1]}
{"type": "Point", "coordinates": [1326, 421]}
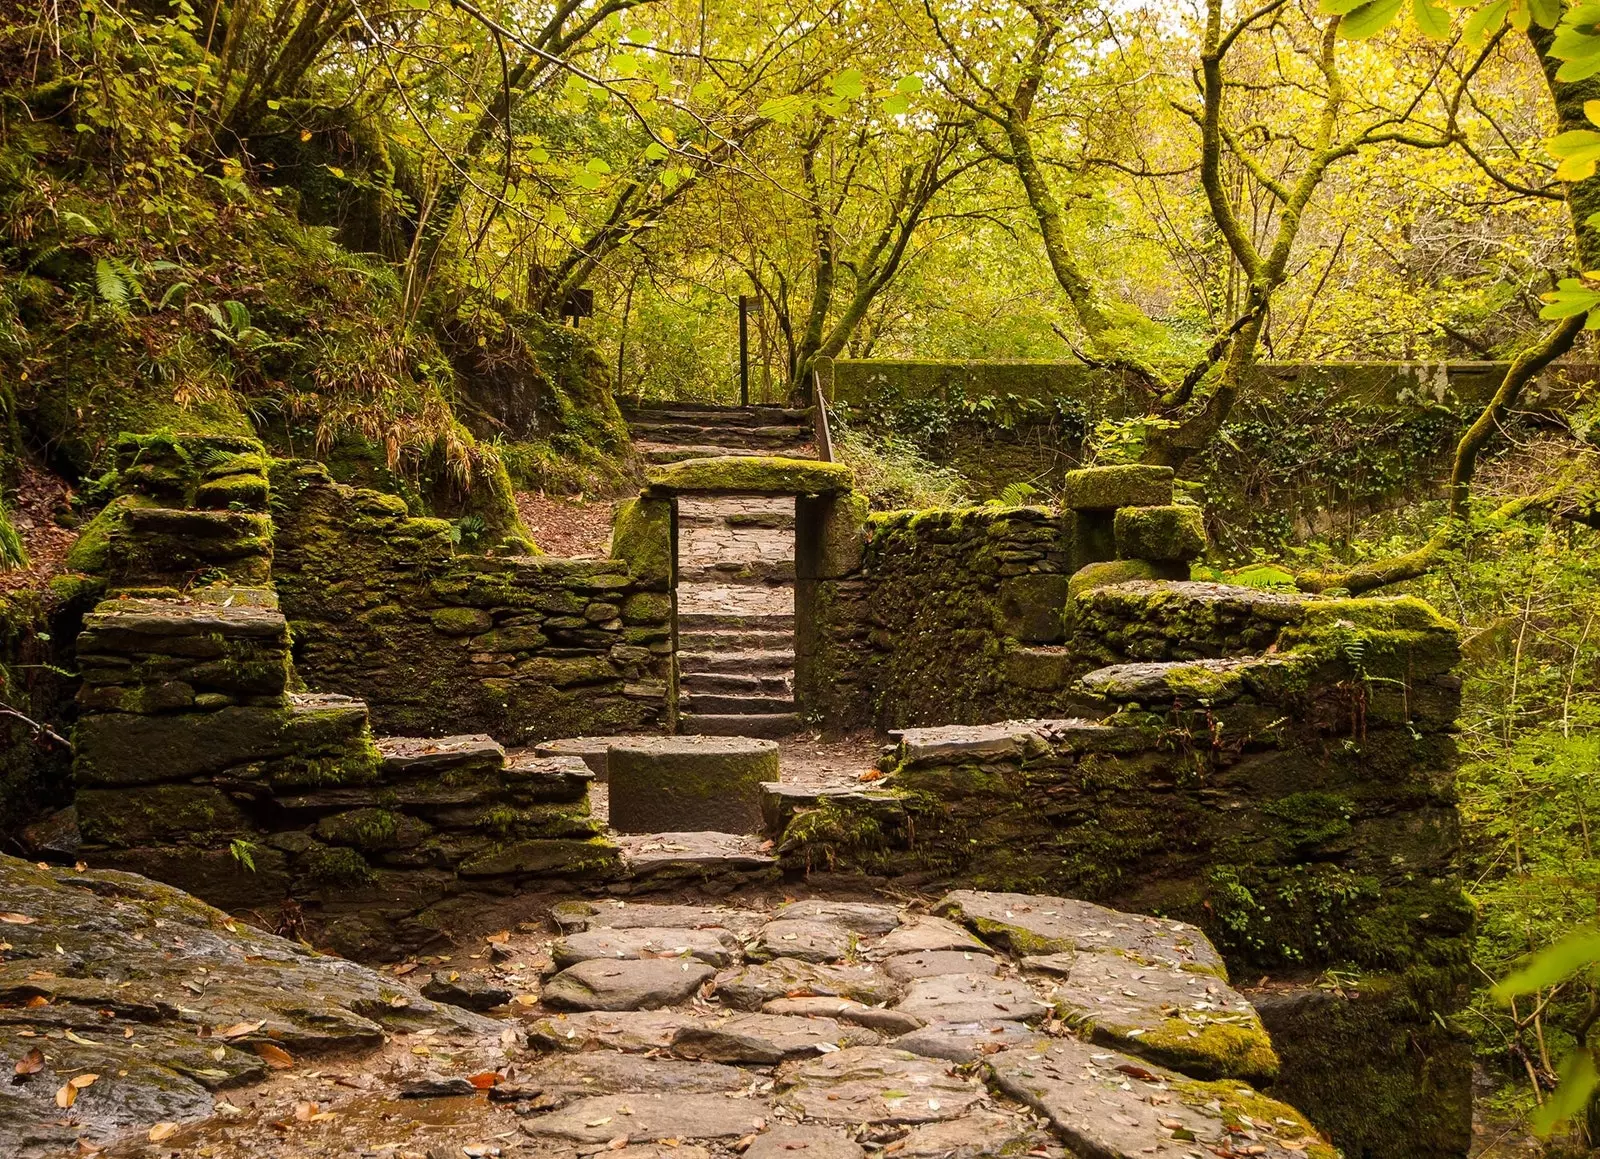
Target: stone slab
{"type": "Point", "coordinates": [971, 998]}
{"type": "Point", "coordinates": [804, 939]}
{"type": "Point", "coordinates": [1112, 1106]}
{"type": "Point", "coordinates": [928, 934]}
{"type": "Point", "coordinates": [625, 985]}
{"type": "Point", "coordinates": [689, 783]}
{"type": "Point", "coordinates": [804, 1141]}
{"type": "Point", "coordinates": [846, 1010]}
{"type": "Point", "coordinates": [964, 1042]}
{"type": "Point", "coordinates": [645, 1117]}
{"type": "Point", "coordinates": [875, 1084]}
{"type": "Point", "coordinates": [765, 1039]}
{"type": "Point", "coordinates": [576, 916]}
{"type": "Point", "coordinates": [908, 967]}
{"type": "Point", "coordinates": [867, 918]}
{"type": "Point", "coordinates": [753, 986]}
{"type": "Point", "coordinates": [712, 946]}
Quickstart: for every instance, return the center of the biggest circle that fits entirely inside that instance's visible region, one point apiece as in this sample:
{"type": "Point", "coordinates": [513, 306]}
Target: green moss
{"type": "Point", "coordinates": [750, 475]}
{"type": "Point", "coordinates": [326, 867]}
{"type": "Point", "coordinates": [1124, 485]}
{"type": "Point", "coordinates": [1101, 575]}
{"type": "Point", "coordinates": [1215, 1050]}
{"type": "Point", "coordinates": [1167, 534]}
{"type": "Point", "coordinates": [834, 837]}
{"type": "Point", "coordinates": [641, 538]}
{"type": "Point", "coordinates": [1245, 1109]}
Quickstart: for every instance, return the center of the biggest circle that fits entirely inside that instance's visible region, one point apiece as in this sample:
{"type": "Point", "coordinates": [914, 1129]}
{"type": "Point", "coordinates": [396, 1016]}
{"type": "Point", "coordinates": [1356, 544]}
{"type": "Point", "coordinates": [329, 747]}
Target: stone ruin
{"type": "Point", "coordinates": [1069, 717]}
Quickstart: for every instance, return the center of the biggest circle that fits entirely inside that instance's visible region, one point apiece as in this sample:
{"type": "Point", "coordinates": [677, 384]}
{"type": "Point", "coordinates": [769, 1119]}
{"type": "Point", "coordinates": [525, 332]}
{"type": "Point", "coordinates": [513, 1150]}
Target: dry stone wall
{"type": "Point", "coordinates": [526, 648]}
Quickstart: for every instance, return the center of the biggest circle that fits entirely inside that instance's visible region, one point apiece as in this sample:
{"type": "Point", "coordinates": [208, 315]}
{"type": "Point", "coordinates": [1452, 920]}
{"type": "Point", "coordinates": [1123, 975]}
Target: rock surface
{"type": "Point", "coordinates": [784, 1059]}
{"type": "Point", "coordinates": [167, 1001]}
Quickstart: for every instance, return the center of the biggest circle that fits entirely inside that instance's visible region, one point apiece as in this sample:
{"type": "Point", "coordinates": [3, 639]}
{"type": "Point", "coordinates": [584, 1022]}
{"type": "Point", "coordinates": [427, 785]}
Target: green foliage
{"type": "Point", "coordinates": [12, 552]}
{"type": "Point", "coordinates": [893, 474]}
{"type": "Point", "coordinates": [1124, 440]}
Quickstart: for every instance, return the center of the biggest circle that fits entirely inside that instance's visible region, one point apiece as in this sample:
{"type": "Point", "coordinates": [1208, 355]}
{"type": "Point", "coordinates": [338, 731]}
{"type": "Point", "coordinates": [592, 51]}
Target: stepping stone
{"type": "Point", "coordinates": [809, 941]}
{"type": "Point", "coordinates": [964, 1042]}
{"type": "Point", "coordinates": [689, 783]}
{"type": "Point", "coordinates": [649, 1117]}
{"type": "Point", "coordinates": [924, 934]}
{"type": "Point", "coordinates": [1055, 965]}
{"type": "Point", "coordinates": [1113, 1106]}
{"type": "Point", "coordinates": [754, 986]}
{"type": "Point", "coordinates": [605, 1072]}
{"type": "Point", "coordinates": [625, 985]}
{"type": "Point", "coordinates": [472, 991]}
{"type": "Point", "coordinates": [693, 854]}
{"type": "Point", "coordinates": [1195, 1023]}
{"type": "Point", "coordinates": [634, 1031]}
{"type": "Point", "coordinates": [907, 967]}
{"type": "Point", "coordinates": [591, 749]}
{"type": "Point", "coordinates": [863, 917]}
{"type": "Point", "coordinates": [803, 1141]}
{"type": "Point", "coordinates": [765, 1039]}
{"type": "Point", "coordinates": [577, 916]}
{"type": "Point", "coordinates": [411, 756]}
{"type": "Point", "coordinates": [711, 946]}
{"type": "Point", "coordinates": [877, 1018]}
{"type": "Point", "coordinates": [980, 1135]}
{"type": "Point", "coordinates": [1026, 924]}
{"type": "Point", "coordinates": [875, 1084]}
{"type": "Point", "coordinates": [658, 1151]}
{"type": "Point", "coordinates": [971, 998]}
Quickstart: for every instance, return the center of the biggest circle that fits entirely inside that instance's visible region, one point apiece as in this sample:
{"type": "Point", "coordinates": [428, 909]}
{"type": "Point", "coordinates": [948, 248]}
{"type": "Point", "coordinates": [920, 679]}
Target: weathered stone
{"type": "Point", "coordinates": [470, 991]}
{"type": "Point", "coordinates": [1029, 608]}
{"type": "Point", "coordinates": [631, 1031]}
{"type": "Point", "coordinates": [648, 1116]}
{"type": "Point", "coordinates": [406, 756]}
{"type": "Point", "coordinates": [805, 940]}
{"type": "Point", "coordinates": [1123, 485]}
{"type": "Point", "coordinates": [625, 985]}
{"type": "Point", "coordinates": [749, 475]}
{"type": "Point", "coordinates": [964, 1042]}
{"type": "Point", "coordinates": [436, 1086]}
{"type": "Point", "coordinates": [711, 946]}
{"type": "Point", "coordinates": [803, 1141]}
{"type": "Point", "coordinates": [1108, 1104]}
{"type": "Point", "coordinates": [875, 1084]}
{"type": "Point", "coordinates": [126, 951]}
{"type": "Point", "coordinates": [1106, 573]}
{"type": "Point", "coordinates": [765, 1039]}
{"type": "Point", "coordinates": [1165, 534]}
{"type": "Point", "coordinates": [570, 857]}
{"type": "Point", "coordinates": [1193, 1022]}
{"type": "Point", "coordinates": [863, 917]}
{"type": "Point", "coordinates": [928, 935]}
{"type": "Point", "coordinates": [148, 814]}
{"type": "Point", "coordinates": [607, 1072]}
{"type": "Point", "coordinates": [890, 1022]}
{"type": "Point", "coordinates": [1029, 924]}
{"type": "Point", "coordinates": [689, 783]}
{"type": "Point", "coordinates": [753, 986]}
{"type": "Point", "coordinates": [971, 998]}
{"type": "Point", "coordinates": [979, 1135]}
{"type": "Point", "coordinates": [576, 916]}
{"type": "Point", "coordinates": [933, 963]}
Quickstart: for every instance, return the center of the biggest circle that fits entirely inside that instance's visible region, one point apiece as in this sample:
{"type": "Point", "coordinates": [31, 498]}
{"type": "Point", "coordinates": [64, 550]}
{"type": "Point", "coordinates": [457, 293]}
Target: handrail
{"type": "Point", "coordinates": [819, 420]}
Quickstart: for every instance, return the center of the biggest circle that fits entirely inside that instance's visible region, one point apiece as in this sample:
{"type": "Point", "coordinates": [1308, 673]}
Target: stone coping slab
{"type": "Point", "coordinates": [748, 475]}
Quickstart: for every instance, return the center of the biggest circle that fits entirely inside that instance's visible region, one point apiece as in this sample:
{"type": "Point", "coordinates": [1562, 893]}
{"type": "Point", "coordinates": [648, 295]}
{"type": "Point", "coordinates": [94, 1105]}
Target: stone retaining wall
{"type": "Point", "coordinates": [524, 649]}
{"type": "Point", "coordinates": [1275, 768]}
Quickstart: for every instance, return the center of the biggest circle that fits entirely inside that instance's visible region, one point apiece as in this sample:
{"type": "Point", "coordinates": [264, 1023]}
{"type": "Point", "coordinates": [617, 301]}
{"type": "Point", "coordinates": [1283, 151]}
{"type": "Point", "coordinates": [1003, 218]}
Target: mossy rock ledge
{"type": "Point", "coordinates": [748, 475]}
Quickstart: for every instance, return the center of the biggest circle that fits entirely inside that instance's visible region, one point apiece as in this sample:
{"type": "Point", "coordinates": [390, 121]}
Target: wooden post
{"type": "Point", "coordinates": [744, 350]}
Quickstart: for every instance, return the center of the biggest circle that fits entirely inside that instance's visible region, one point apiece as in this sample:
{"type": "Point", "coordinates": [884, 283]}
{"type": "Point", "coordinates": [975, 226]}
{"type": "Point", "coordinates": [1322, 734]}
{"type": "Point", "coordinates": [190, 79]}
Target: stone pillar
{"type": "Point", "coordinates": [829, 542]}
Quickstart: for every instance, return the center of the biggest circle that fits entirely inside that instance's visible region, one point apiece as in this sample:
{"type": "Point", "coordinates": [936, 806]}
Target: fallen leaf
{"type": "Point", "coordinates": [38, 1000]}
{"type": "Point", "coordinates": [66, 1096]}
{"type": "Point", "coordinates": [79, 1081]}
{"type": "Point", "coordinates": [79, 1039]}
{"type": "Point", "coordinates": [303, 1112]}
{"type": "Point", "coordinates": [163, 1131]}
{"type": "Point", "coordinates": [274, 1056]}
{"type": "Point", "coordinates": [31, 1063]}
{"type": "Point", "coordinates": [1139, 1073]}
{"type": "Point", "coordinates": [485, 1080]}
{"type": "Point", "coordinates": [239, 1029]}
{"type": "Point", "coordinates": [500, 938]}
{"type": "Point", "coordinates": [17, 919]}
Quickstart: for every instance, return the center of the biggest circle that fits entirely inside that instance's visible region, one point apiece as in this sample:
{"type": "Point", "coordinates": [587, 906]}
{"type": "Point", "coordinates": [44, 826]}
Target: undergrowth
{"type": "Point", "coordinates": [893, 474]}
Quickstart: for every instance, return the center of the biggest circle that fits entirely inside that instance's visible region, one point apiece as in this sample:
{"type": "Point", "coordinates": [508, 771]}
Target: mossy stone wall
{"type": "Point", "coordinates": [524, 648]}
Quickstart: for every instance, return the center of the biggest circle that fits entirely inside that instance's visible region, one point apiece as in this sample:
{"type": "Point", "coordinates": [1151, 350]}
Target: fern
{"type": "Point", "coordinates": [116, 284]}
{"type": "Point", "coordinates": [1017, 494]}
{"type": "Point", "coordinates": [12, 553]}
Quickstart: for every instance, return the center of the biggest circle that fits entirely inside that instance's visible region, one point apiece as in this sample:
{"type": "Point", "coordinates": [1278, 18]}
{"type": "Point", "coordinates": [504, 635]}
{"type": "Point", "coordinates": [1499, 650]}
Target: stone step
{"type": "Point", "coordinates": [722, 704]}
{"type": "Point", "coordinates": [765, 438]}
{"type": "Point", "coordinates": [737, 663]}
{"type": "Point", "coordinates": [727, 417]}
{"type": "Point", "coordinates": [657, 860]}
{"type": "Point", "coordinates": [432, 756]}
{"type": "Point", "coordinates": [698, 682]}
{"type": "Point", "coordinates": [705, 514]}
{"type": "Point", "coordinates": [662, 453]}
{"type": "Point", "coordinates": [753, 571]}
{"type": "Point", "coordinates": [768, 726]}
{"type": "Point", "coordinates": [770, 621]}
{"type": "Point", "coordinates": [735, 640]}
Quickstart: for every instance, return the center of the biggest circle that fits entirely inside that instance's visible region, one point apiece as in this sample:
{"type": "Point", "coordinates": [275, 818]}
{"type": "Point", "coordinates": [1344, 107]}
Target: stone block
{"type": "Point", "coordinates": [1171, 534]}
{"type": "Point", "coordinates": [1030, 608]}
{"type": "Point", "coordinates": [460, 621]}
{"type": "Point", "coordinates": [1124, 485]}
{"type": "Point", "coordinates": [1115, 571]}
{"type": "Point", "coordinates": [1040, 669]}
{"type": "Point", "coordinates": [641, 538]}
{"type": "Point", "coordinates": [152, 814]}
{"type": "Point", "coordinates": [688, 783]}
{"type": "Point", "coordinates": [749, 475]}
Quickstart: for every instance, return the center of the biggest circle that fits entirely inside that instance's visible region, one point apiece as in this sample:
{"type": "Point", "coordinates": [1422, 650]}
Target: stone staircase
{"type": "Point", "coordinates": [735, 569]}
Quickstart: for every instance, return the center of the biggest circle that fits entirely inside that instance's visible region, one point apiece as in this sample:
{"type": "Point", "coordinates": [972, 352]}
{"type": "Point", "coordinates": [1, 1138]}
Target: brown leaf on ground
{"type": "Point", "coordinates": [274, 1056]}
{"type": "Point", "coordinates": [31, 1063]}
